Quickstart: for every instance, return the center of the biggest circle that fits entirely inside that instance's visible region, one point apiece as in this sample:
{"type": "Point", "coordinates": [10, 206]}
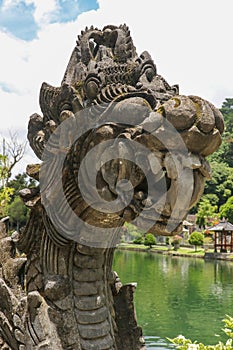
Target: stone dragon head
{"type": "Point", "coordinates": [140, 144]}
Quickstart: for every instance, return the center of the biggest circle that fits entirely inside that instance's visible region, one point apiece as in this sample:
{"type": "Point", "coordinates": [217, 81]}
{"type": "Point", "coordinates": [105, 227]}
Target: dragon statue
{"type": "Point", "coordinates": [117, 144]}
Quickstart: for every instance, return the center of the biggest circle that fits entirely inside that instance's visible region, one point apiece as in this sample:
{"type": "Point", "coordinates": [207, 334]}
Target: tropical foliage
{"type": "Point", "coordinates": [186, 344]}
{"type": "Point", "coordinates": [216, 200]}
{"type": "Point", "coordinates": [18, 213]}
{"type": "Point", "coordinates": [226, 210]}
{"type": "Point", "coordinates": [6, 192]}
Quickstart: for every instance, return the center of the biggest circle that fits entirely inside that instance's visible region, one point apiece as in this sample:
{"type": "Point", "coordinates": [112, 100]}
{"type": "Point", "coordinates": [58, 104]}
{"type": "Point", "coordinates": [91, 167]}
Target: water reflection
{"type": "Point", "coordinates": [178, 295]}
{"type": "Point", "coordinates": [157, 343]}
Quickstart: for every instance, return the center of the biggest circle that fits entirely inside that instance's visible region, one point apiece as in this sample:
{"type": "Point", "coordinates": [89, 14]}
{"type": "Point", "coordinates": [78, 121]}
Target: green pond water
{"type": "Point", "coordinates": [177, 295]}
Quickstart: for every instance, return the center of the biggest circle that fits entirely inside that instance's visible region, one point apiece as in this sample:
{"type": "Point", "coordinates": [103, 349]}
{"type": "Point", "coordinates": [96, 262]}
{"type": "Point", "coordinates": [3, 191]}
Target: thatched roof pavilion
{"type": "Point", "coordinates": [223, 236]}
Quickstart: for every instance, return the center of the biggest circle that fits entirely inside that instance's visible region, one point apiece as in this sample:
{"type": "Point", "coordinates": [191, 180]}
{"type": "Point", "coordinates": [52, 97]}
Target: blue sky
{"type": "Point", "coordinates": [69, 9]}
{"type": "Point", "coordinates": [17, 17]}
{"type": "Point", "coordinates": [18, 20]}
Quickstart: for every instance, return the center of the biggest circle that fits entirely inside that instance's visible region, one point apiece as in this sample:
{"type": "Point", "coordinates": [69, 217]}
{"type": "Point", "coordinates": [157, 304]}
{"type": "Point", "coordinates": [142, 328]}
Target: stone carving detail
{"type": "Point", "coordinates": [117, 144]}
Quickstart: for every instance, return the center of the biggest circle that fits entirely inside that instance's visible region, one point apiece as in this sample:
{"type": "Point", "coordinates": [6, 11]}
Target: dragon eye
{"type": "Point", "coordinates": [150, 73]}
{"type": "Point", "coordinates": [92, 89]}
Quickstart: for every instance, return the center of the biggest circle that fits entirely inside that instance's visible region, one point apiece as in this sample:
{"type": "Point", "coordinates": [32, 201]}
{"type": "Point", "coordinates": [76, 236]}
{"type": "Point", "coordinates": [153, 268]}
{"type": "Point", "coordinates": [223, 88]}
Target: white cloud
{"type": "Point", "coordinates": [190, 42]}
{"type": "Point", "coordinates": [43, 10]}
{"type": "Point", "coordinates": [6, 4]}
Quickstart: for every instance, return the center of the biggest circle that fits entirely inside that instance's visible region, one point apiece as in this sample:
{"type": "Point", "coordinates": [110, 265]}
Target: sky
{"type": "Point", "coordinates": [190, 42]}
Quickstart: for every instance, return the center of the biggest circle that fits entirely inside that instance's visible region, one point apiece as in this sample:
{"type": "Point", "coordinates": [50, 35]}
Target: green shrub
{"type": "Point", "coordinates": [138, 240]}
{"type": "Point", "coordinates": [196, 238]}
{"type": "Point", "coordinates": [149, 240]}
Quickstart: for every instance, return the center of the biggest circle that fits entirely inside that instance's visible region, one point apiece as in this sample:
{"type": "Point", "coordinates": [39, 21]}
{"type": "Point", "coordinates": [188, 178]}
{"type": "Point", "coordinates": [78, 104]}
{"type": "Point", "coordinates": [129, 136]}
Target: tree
{"type": "Point", "coordinates": [5, 191]}
{"type": "Point", "coordinates": [149, 240]}
{"type": "Point", "coordinates": [12, 152]}
{"type": "Point", "coordinates": [221, 183]}
{"type": "Point", "coordinates": [225, 153]}
{"type": "Point", "coordinates": [226, 210]}
{"type": "Point", "coordinates": [20, 182]}
{"type": "Point", "coordinates": [3, 170]}
{"type": "Point", "coordinates": [196, 238]}
{"type": "Point", "coordinates": [133, 232]}
{"type": "Point", "coordinates": [17, 210]}
{"type": "Point", "coordinates": [219, 188]}
{"type": "Point", "coordinates": [227, 111]}
{"type": "Point", "coordinates": [10, 200]}
{"type": "Point", "coordinates": [18, 213]}
{"type": "Point", "coordinates": [5, 197]}
{"type": "Point", "coordinates": [205, 212]}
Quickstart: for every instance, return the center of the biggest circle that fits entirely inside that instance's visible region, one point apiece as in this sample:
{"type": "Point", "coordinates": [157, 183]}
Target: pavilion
{"type": "Point", "coordinates": [223, 236]}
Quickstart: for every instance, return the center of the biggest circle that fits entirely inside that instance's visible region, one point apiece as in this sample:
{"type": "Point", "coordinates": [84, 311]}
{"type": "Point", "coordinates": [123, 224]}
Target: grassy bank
{"type": "Point", "coordinates": [160, 249]}
{"type": "Point", "coordinates": [166, 250]}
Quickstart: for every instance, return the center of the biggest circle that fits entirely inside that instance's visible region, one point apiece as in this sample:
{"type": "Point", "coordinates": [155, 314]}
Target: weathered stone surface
{"type": "Point", "coordinates": [8, 300]}
{"type": "Point", "coordinates": [7, 332]}
{"type": "Point", "coordinates": [180, 111]}
{"type": "Point", "coordinates": [81, 260]}
{"type": "Point", "coordinates": [94, 330]}
{"type": "Point", "coordinates": [90, 302]}
{"type": "Point", "coordinates": [105, 343]}
{"type": "Point", "coordinates": [57, 287]}
{"type": "Point", "coordinates": [117, 143]}
{"type": "Point", "coordinates": [12, 270]}
{"type": "Point", "coordinates": [88, 275]}
{"type": "Point", "coordinates": [92, 317]}
{"type": "Point", "coordinates": [131, 335]}
{"type": "Point", "coordinates": [4, 227]}
{"type": "Point", "coordinates": [92, 288]}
